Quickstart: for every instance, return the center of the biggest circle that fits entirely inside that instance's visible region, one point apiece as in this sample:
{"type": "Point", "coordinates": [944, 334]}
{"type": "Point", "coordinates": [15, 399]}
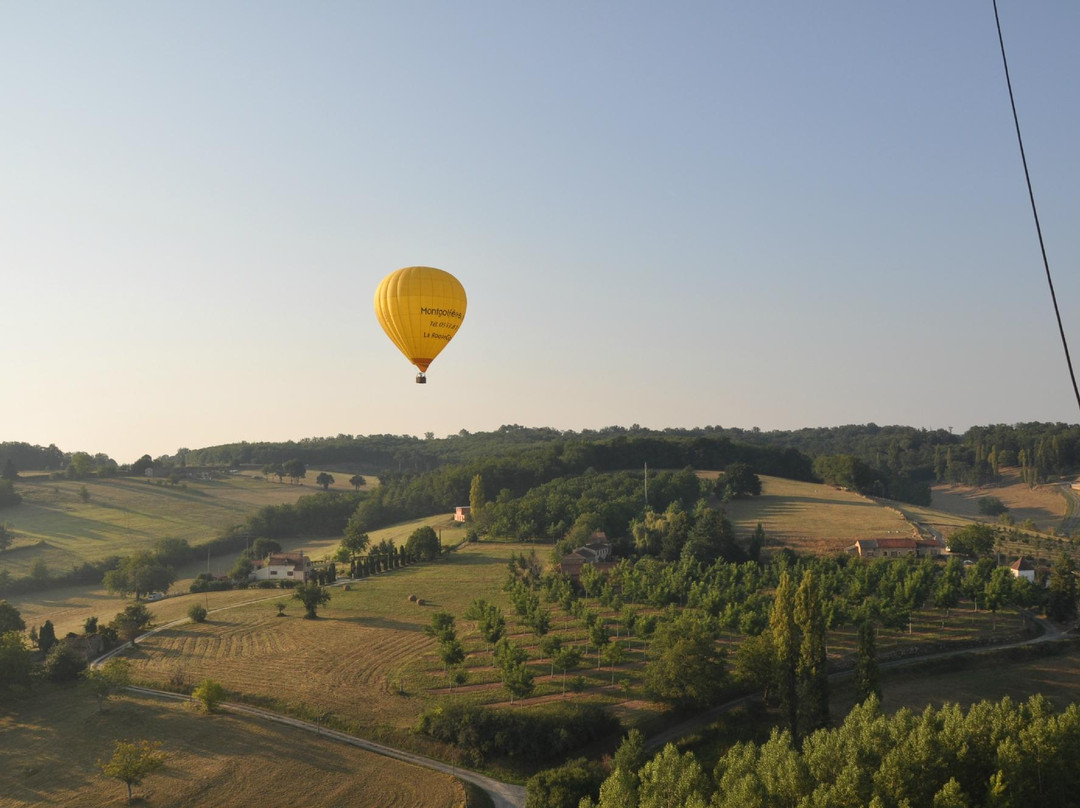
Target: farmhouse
{"type": "Point", "coordinates": [895, 548]}
{"type": "Point", "coordinates": [461, 513]}
{"type": "Point", "coordinates": [1022, 569]}
{"type": "Point", "coordinates": [282, 566]}
{"type": "Point", "coordinates": [596, 552]}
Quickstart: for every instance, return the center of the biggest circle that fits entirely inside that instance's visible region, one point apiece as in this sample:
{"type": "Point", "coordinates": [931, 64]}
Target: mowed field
{"type": "Point", "coordinates": [1045, 505]}
{"type": "Point", "coordinates": [814, 518]}
{"type": "Point", "coordinates": [366, 659]}
{"type": "Point", "coordinates": [975, 680]}
{"type": "Point", "coordinates": [52, 743]}
{"type": "Point", "coordinates": [124, 515]}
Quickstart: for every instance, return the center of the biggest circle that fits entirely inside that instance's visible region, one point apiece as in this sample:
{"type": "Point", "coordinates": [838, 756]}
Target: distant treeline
{"type": "Point", "coordinates": [897, 455]}
{"type": "Point", "coordinates": [901, 460]}
{"type": "Point", "coordinates": [24, 457]}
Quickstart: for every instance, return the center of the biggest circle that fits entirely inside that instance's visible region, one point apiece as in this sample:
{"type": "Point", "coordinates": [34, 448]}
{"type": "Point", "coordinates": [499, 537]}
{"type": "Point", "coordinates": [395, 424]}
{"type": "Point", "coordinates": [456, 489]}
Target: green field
{"type": "Point", "coordinates": [51, 745]}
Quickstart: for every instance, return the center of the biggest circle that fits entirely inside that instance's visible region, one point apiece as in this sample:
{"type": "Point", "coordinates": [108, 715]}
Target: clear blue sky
{"type": "Point", "coordinates": [775, 214]}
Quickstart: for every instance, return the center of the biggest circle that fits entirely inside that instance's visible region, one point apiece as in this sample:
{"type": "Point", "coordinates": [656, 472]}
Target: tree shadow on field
{"type": "Point", "coordinates": [768, 501]}
{"type": "Point", "coordinates": [381, 623]}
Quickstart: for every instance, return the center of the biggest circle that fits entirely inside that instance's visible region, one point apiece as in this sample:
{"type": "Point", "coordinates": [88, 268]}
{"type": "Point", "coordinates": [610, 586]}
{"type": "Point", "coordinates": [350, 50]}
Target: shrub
{"type": "Point", "coordinates": [197, 613]}
{"type": "Point", "coordinates": [210, 694]}
{"type": "Point", "coordinates": [565, 786]}
{"type": "Point", "coordinates": [63, 663]}
{"type": "Point", "coordinates": [547, 734]}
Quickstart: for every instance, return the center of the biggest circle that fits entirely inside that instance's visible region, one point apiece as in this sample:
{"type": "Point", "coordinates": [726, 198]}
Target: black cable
{"type": "Point", "coordinates": [1034, 210]}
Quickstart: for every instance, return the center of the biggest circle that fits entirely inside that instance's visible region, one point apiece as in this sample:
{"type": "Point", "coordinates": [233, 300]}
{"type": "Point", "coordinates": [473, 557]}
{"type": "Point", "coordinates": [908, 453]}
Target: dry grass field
{"type": "Point", "coordinates": [814, 518]}
{"type": "Point", "coordinates": [1044, 505]}
{"type": "Point", "coordinates": [123, 515]}
{"type": "Point", "coordinates": [1052, 676]}
{"type": "Point", "coordinates": [366, 659]}
{"type": "Point", "coordinates": [51, 745]}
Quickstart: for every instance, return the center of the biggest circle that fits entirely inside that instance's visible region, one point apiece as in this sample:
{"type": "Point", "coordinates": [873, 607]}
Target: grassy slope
{"type": "Point", "coordinates": [1053, 676]}
{"type": "Point", "coordinates": [126, 514]}
{"type": "Point", "coordinates": [1044, 505]}
{"type": "Point", "coordinates": [52, 744]}
{"type": "Point", "coordinates": [367, 646]}
{"type": "Point", "coordinates": [810, 517]}
{"type": "Point", "coordinates": [68, 607]}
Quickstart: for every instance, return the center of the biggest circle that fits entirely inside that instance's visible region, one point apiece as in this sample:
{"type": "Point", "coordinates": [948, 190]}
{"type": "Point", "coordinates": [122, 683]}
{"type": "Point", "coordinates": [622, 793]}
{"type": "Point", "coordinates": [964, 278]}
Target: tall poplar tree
{"type": "Point", "coordinates": [477, 499]}
{"type": "Point", "coordinates": [786, 644]}
{"type": "Point", "coordinates": [812, 670]}
{"type": "Point", "coordinates": [867, 677]}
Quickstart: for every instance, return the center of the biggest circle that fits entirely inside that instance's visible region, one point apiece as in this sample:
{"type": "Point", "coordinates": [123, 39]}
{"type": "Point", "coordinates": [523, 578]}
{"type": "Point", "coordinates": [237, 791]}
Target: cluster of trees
{"type": "Point", "coordinates": [548, 733]}
{"type": "Point", "coordinates": [26, 657]}
{"type": "Point", "coordinates": [294, 469]}
{"type": "Point", "coordinates": [321, 514]}
{"type": "Point", "coordinates": [16, 456]}
{"type": "Point", "coordinates": [493, 485]}
{"type": "Point", "coordinates": [993, 754]}
{"type": "Point", "coordinates": [365, 559]}
{"type": "Point", "coordinates": [142, 573]}
{"type": "Point", "coordinates": [797, 628]}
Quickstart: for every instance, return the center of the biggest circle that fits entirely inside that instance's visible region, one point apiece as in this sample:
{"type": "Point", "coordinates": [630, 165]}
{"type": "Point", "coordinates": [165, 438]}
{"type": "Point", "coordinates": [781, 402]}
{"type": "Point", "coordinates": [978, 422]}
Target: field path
{"type": "Point", "coordinates": [503, 795]}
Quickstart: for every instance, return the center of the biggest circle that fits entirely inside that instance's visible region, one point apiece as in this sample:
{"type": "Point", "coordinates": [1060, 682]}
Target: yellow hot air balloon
{"type": "Point", "coordinates": [420, 309]}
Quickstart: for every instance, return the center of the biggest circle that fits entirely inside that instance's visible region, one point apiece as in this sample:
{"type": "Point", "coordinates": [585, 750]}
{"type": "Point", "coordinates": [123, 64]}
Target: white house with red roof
{"type": "Point", "coordinates": [282, 567]}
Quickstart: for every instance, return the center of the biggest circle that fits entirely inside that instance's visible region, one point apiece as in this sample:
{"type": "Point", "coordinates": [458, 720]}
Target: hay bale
{"type": "Point", "coordinates": [412, 598]}
{"type": "Point", "coordinates": [419, 601]}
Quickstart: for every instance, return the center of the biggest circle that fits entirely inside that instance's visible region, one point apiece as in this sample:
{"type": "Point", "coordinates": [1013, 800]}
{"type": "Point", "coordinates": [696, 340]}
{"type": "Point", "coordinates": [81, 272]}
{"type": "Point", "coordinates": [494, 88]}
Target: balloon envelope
{"type": "Point", "coordinates": [420, 309]}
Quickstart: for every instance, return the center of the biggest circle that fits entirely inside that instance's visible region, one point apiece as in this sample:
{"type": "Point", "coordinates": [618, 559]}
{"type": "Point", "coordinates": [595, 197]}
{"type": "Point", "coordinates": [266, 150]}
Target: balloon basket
{"type": "Point", "coordinates": [421, 378]}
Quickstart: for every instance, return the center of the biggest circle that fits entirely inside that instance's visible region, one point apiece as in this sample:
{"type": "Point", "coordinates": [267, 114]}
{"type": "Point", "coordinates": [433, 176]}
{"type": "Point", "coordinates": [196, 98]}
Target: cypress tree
{"type": "Point", "coordinates": [786, 642]}
{"type": "Point", "coordinates": [812, 672]}
{"type": "Point", "coordinates": [867, 678]}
